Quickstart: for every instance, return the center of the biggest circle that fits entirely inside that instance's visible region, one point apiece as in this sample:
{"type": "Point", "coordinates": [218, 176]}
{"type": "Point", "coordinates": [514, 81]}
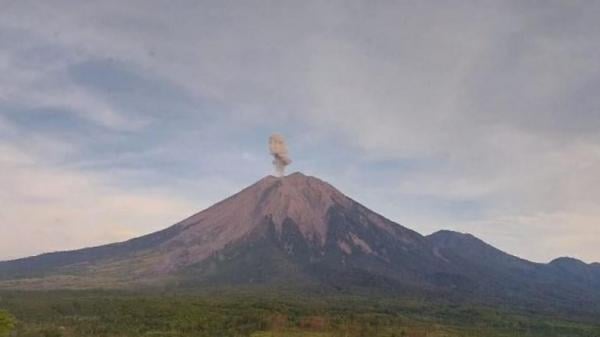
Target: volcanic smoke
{"type": "Point", "coordinates": [279, 151]}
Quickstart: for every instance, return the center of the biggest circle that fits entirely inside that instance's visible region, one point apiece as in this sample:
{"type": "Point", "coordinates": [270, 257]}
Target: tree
{"type": "Point", "coordinates": [7, 323]}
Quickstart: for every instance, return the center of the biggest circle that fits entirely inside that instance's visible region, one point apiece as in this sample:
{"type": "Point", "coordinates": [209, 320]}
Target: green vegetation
{"type": "Point", "coordinates": [112, 314]}
{"type": "Point", "coordinates": [7, 323]}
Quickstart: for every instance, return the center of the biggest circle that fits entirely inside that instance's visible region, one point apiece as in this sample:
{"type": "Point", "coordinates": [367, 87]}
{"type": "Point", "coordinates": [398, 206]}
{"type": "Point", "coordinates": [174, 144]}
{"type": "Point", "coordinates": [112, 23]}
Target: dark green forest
{"type": "Point", "coordinates": [111, 314]}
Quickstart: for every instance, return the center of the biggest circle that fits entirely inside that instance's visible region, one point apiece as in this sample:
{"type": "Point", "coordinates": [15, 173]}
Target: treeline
{"type": "Point", "coordinates": [65, 314]}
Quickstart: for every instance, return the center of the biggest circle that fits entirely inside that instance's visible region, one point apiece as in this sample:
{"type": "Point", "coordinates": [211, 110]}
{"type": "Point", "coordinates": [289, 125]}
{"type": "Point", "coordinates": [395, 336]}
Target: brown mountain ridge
{"type": "Point", "coordinates": [301, 232]}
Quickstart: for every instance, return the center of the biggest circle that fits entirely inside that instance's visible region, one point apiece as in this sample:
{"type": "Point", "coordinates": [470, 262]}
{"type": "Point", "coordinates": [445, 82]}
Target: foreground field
{"type": "Point", "coordinates": [109, 314]}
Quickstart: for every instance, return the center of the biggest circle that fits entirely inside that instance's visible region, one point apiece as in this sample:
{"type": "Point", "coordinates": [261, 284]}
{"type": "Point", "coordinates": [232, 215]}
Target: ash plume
{"type": "Point", "coordinates": [279, 152]}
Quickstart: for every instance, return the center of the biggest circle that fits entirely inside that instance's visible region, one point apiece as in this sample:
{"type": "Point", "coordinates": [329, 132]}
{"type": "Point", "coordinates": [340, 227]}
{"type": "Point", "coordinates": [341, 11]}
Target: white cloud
{"type": "Point", "coordinates": [499, 98]}
{"type": "Point", "coordinates": [62, 208]}
{"type": "Point", "coordinates": [45, 85]}
{"type": "Point", "coordinates": [543, 237]}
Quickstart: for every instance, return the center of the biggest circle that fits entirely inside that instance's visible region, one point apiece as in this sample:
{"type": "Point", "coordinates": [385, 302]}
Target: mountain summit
{"type": "Point", "coordinates": [301, 220]}
{"type": "Point", "coordinates": [301, 232]}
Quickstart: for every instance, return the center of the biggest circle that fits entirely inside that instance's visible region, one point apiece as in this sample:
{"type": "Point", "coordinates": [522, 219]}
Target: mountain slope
{"type": "Point", "coordinates": [312, 226]}
{"type": "Point", "coordinates": [565, 283]}
{"type": "Point", "coordinates": [300, 232]}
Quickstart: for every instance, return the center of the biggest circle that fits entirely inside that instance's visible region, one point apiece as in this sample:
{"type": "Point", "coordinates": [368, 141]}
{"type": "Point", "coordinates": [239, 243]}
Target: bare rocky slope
{"type": "Point", "coordinates": [300, 232]}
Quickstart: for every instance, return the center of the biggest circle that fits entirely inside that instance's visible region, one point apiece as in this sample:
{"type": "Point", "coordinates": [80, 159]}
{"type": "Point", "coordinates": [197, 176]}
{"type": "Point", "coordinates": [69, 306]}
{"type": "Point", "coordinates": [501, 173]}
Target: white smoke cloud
{"type": "Point", "coordinates": [279, 151]}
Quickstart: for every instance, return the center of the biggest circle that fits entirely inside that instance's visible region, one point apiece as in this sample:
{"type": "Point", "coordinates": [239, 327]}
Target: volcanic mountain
{"type": "Point", "coordinates": [301, 232]}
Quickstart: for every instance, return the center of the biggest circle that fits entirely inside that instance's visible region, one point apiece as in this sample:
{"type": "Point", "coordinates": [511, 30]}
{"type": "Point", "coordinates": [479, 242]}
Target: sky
{"type": "Point", "coordinates": [119, 118]}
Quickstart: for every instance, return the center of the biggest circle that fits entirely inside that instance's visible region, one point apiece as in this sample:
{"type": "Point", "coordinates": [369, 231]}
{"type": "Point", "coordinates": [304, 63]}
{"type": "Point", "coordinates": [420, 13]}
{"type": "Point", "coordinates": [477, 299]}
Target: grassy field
{"type": "Point", "coordinates": [111, 314]}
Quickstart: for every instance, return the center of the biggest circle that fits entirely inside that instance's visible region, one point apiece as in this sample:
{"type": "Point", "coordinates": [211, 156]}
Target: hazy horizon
{"type": "Point", "coordinates": [118, 119]}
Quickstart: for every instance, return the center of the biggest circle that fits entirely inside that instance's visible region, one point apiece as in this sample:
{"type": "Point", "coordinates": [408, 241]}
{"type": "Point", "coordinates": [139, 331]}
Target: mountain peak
{"type": "Point", "coordinates": [448, 238]}
{"type": "Point", "coordinates": [299, 230]}
{"type": "Point", "coordinates": [297, 174]}
{"type": "Point", "coordinates": [305, 200]}
{"type": "Point", "coordinates": [567, 261]}
{"type": "Point", "coordinates": [301, 199]}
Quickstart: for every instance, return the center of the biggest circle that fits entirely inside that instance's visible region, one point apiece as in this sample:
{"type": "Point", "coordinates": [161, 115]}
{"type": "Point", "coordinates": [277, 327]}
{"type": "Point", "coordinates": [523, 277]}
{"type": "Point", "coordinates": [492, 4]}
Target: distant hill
{"type": "Point", "coordinates": [300, 232]}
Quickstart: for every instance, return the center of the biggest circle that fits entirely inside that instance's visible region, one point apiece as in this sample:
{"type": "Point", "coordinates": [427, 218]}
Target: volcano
{"type": "Point", "coordinates": [300, 232]}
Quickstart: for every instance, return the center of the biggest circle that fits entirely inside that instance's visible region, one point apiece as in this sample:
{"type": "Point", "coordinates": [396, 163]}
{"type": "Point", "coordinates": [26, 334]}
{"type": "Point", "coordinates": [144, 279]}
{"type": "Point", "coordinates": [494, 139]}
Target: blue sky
{"type": "Point", "coordinates": [118, 118]}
